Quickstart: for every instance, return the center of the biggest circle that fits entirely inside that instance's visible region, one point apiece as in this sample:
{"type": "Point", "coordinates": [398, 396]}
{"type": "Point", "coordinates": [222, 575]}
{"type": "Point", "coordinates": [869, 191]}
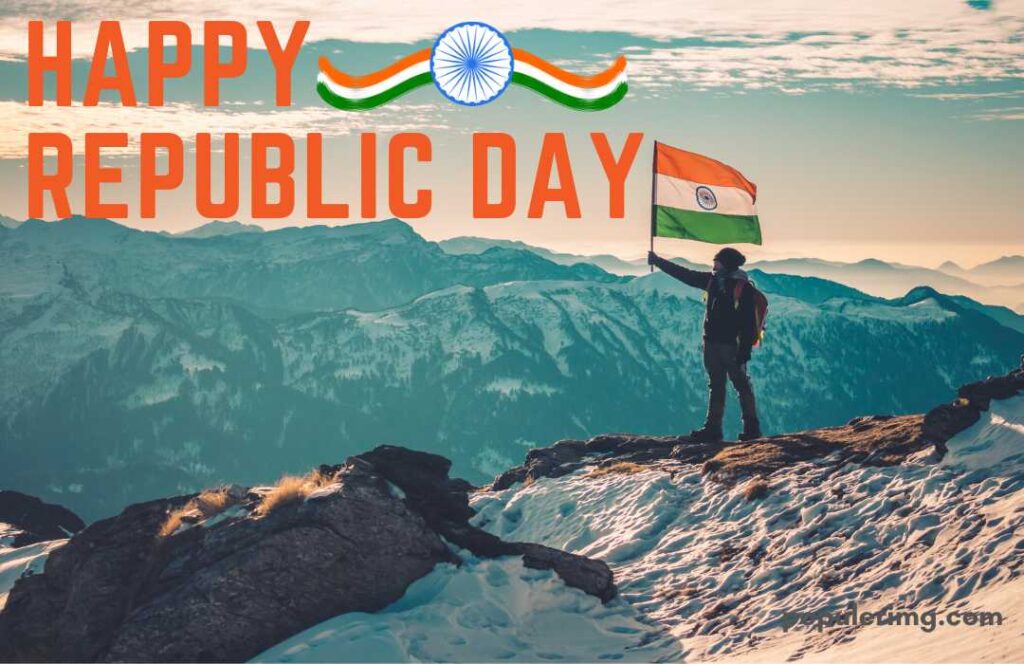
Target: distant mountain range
{"type": "Point", "coordinates": [999, 282]}
{"type": "Point", "coordinates": [215, 228]}
{"type": "Point", "coordinates": [607, 262]}
{"type": "Point", "coordinates": [135, 364]}
{"type": "Point", "coordinates": [1008, 270]}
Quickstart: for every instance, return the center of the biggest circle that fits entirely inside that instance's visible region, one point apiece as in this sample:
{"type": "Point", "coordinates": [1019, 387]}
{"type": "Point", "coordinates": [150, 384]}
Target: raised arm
{"type": "Point", "coordinates": [689, 277]}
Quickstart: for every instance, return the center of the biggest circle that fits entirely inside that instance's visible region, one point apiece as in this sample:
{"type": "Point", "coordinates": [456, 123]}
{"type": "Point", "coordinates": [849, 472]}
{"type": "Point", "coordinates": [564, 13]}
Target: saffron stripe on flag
{"type": "Point", "coordinates": [396, 69]}
{"type": "Point", "coordinates": [698, 168]}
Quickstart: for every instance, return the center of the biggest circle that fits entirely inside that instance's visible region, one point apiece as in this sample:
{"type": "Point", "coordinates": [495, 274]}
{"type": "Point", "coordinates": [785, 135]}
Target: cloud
{"type": "Point", "coordinates": [791, 45]}
{"type": "Point", "coordinates": [1012, 113]}
{"type": "Point", "coordinates": [971, 96]}
{"type": "Point", "coordinates": [186, 120]}
{"type": "Point", "coordinates": [904, 59]}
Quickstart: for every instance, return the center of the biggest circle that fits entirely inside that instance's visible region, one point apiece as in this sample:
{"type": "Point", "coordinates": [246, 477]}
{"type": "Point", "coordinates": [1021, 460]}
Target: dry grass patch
{"type": "Point", "coordinates": [208, 503]}
{"type": "Point", "coordinates": [290, 489]}
{"type": "Point", "coordinates": [755, 489]}
{"type": "Point", "coordinates": [889, 440]}
{"type": "Point", "coordinates": [622, 467]}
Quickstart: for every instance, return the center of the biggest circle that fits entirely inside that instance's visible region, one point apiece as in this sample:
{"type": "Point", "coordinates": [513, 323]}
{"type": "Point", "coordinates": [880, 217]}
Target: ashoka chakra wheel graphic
{"type": "Point", "coordinates": [471, 63]}
{"type": "Point", "coordinates": [706, 198]}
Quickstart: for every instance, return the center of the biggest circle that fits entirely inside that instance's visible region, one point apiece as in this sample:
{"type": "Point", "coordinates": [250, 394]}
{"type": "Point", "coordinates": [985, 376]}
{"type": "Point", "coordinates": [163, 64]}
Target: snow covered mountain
{"type": "Point", "coordinates": [134, 365]}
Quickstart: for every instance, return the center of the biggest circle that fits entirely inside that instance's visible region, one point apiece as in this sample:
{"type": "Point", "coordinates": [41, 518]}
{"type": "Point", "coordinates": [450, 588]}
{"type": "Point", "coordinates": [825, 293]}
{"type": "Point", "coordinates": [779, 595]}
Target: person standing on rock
{"type": "Point", "coordinates": [730, 331]}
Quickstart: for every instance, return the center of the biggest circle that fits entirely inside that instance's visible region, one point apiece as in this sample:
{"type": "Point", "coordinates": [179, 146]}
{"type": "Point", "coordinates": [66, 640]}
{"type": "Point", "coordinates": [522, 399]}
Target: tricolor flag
{"type": "Point", "coordinates": [583, 93]}
{"type": "Point", "coordinates": [699, 198]}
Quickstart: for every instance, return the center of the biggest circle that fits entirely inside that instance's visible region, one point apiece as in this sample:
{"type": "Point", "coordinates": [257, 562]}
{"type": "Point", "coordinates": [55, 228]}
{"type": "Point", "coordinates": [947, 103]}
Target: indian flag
{"type": "Point", "coordinates": [360, 93]}
{"type": "Point", "coordinates": [699, 198]}
{"type": "Point", "coordinates": [583, 93]}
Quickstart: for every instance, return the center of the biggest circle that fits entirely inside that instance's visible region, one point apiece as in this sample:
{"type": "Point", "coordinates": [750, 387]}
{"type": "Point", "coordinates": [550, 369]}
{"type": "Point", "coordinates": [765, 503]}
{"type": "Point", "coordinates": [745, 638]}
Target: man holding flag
{"type": "Point", "coordinates": [698, 198]}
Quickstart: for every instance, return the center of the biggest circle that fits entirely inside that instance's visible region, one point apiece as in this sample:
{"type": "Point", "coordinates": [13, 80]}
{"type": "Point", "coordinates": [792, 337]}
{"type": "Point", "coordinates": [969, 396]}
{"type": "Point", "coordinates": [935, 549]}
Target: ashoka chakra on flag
{"type": "Point", "coordinates": [471, 63]}
{"type": "Point", "coordinates": [700, 198]}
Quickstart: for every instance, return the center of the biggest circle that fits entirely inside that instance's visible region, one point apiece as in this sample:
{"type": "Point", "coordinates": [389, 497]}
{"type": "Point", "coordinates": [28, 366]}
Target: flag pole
{"type": "Point", "coordinates": [654, 159]}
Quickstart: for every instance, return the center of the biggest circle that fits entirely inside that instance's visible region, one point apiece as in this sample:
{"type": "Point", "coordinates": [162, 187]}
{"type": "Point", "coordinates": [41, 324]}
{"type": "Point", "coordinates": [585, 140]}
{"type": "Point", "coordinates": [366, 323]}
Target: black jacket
{"type": "Point", "coordinates": [724, 322]}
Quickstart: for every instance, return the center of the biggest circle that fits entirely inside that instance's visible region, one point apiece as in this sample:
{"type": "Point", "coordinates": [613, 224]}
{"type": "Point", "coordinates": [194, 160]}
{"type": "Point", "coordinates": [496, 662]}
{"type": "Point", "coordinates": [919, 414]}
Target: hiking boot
{"type": "Point", "coordinates": [750, 435]}
{"type": "Point", "coordinates": [706, 434]}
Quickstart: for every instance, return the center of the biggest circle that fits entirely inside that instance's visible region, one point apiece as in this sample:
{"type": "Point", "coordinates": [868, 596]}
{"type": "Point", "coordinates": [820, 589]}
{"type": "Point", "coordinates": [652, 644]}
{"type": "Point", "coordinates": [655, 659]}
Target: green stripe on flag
{"type": "Point", "coordinates": [348, 104]}
{"type": "Point", "coordinates": [578, 103]}
{"type": "Point", "coordinates": [706, 226]}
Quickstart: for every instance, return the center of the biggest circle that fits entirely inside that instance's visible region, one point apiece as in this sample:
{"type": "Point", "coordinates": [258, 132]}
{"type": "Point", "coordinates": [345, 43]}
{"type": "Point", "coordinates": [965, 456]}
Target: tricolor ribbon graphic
{"type": "Point", "coordinates": [472, 64]}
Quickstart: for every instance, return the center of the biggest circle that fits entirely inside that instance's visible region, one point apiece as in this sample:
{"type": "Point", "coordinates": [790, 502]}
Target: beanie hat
{"type": "Point", "coordinates": [730, 258]}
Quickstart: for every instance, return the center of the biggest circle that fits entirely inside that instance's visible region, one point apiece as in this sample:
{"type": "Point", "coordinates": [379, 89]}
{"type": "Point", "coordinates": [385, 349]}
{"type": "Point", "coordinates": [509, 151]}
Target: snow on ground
{"type": "Point", "coordinates": [721, 572]}
{"type": "Point", "coordinates": [954, 645]}
{"type": "Point", "coordinates": [995, 444]}
{"type": "Point", "coordinates": [16, 561]}
{"type": "Point", "coordinates": [487, 610]}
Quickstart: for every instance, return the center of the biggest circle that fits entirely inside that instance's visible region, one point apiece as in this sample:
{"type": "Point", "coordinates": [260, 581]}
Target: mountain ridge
{"type": "Point", "coordinates": [214, 228]}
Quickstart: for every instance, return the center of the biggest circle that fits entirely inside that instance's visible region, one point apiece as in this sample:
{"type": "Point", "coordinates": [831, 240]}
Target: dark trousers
{"type": "Point", "coordinates": [720, 362]}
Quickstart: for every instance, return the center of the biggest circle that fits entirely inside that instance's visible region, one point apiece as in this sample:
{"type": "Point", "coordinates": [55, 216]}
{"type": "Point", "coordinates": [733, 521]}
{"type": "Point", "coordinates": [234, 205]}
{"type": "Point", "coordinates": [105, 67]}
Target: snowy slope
{"type": "Point", "coordinates": [484, 611]}
{"type": "Point", "coordinates": [720, 572]}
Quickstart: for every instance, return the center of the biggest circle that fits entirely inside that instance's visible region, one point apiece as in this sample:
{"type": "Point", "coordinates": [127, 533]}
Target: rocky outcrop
{"type": "Point", "coordinates": [35, 520]}
{"type": "Point", "coordinates": [871, 440]}
{"type": "Point", "coordinates": [444, 503]}
{"type": "Point", "coordinates": [945, 421]}
{"type": "Point", "coordinates": [231, 587]}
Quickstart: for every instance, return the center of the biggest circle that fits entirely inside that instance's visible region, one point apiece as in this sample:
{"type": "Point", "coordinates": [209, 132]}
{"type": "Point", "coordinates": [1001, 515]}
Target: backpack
{"type": "Point", "coordinates": [760, 306]}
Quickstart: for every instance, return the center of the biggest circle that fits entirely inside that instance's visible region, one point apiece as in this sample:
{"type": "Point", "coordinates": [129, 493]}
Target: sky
{"type": "Point", "coordinates": [872, 129]}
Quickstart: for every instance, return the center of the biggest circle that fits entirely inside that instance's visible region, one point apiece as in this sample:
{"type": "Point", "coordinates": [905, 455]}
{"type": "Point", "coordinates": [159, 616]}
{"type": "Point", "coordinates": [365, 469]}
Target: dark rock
{"type": "Point", "coordinates": [444, 503]}
{"type": "Point", "coordinates": [37, 521]}
{"type": "Point", "coordinates": [945, 421]}
{"type": "Point", "coordinates": [979, 394]}
{"type": "Point", "coordinates": [592, 576]}
{"type": "Point", "coordinates": [554, 461]}
{"type": "Point", "coordinates": [226, 591]}
{"type": "Point", "coordinates": [119, 591]}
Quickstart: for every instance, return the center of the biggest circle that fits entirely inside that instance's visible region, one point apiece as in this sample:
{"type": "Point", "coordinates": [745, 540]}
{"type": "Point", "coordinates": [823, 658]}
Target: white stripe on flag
{"type": "Point", "coordinates": [682, 194]}
{"type": "Point", "coordinates": [566, 88]}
